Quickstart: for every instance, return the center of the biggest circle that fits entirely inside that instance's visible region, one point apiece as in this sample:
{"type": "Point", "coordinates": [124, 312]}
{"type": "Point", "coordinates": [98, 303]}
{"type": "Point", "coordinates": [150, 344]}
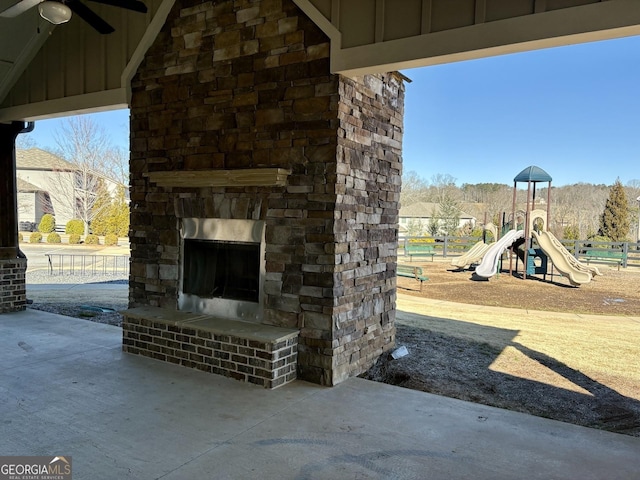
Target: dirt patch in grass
{"type": "Point", "coordinates": [568, 366]}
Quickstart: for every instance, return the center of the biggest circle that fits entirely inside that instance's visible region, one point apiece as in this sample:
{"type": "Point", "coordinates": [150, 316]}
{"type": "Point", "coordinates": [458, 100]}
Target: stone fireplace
{"type": "Point", "coordinates": [237, 120]}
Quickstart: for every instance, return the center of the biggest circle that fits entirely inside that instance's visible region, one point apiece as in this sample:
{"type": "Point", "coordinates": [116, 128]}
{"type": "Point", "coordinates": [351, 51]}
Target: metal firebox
{"type": "Point", "coordinates": [222, 268]}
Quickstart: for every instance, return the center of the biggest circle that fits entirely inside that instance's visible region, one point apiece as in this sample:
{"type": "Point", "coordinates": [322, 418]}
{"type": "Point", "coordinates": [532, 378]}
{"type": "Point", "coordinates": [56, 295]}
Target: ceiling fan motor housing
{"type": "Point", "coordinates": [54, 12]}
{"type": "Point", "coordinates": [60, 11]}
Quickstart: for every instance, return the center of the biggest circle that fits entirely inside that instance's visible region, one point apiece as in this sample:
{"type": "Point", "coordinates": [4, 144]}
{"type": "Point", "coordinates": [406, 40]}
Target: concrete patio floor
{"type": "Point", "coordinates": [67, 389]}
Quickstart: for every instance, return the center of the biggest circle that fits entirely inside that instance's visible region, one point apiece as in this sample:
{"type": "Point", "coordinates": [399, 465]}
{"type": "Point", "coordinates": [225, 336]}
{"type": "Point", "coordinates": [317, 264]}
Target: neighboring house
{"type": "Point", "coordinates": [33, 203]}
{"type": "Point", "coordinates": [50, 184]}
{"type": "Point", "coordinates": [421, 213]}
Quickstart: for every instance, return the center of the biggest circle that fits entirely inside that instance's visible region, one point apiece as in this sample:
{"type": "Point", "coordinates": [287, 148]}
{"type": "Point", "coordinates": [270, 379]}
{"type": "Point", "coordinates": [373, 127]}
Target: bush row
{"type": "Point", "coordinates": [76, 227]}
{"type": "Point", "coordinates": [74, 239]}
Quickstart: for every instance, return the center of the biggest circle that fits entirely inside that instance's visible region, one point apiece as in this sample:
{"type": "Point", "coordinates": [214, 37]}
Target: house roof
{"type": "Point", "coordinates": [24, 186]}
{"type": "Point", "coordinates": [425, 210]}
{"type": "Point", "coordinates": [37, 159]}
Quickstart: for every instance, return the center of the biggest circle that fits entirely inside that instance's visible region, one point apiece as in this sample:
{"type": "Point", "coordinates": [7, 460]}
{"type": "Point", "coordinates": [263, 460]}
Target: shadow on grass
{"type": "Point", "coordinates": [446, 362]}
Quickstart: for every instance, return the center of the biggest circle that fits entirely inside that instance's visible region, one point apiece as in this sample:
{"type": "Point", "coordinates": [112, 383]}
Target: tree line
{"type": "Point", "coordinates": [578, 211]}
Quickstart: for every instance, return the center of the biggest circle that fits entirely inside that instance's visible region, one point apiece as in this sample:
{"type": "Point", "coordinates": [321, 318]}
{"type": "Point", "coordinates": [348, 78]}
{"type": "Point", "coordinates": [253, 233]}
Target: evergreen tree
{"type": "Point", "coordinates": [101, 212]}
{"type": "Point", "coordinates": [450, 214]}
{"type": "Point", "coordinates": [120, 214]}
{"type": "Point", "coordinates": [614, 221]}
{"type": "Point", "coordinates": [113, 216]}
{"type": "Point", "coordinates": [434, 224]}
{"type": "Point", "coordinates": [415, 228]}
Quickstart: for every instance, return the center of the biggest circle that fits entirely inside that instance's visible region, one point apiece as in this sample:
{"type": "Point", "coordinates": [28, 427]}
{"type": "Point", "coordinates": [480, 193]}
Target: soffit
{"type": "Point", "coordinates": [371, 36]}
{"type": "Point", "coordinates": [74, 69]}
{"type": "Point", "coordinates": [48, 70]}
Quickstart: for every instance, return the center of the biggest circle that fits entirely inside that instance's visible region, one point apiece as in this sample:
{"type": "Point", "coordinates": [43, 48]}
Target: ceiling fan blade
{"type": "Point", "coordinates": [18, 8]}
{"type": "Point", "coordinates": [135, 5]}
{"type": "Point", "coordinates": [89, 16]}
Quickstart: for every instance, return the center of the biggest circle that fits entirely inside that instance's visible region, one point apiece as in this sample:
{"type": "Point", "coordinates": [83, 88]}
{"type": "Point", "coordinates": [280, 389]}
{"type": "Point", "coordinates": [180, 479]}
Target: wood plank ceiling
{"type": "Point", "coordinates": [47, 71]}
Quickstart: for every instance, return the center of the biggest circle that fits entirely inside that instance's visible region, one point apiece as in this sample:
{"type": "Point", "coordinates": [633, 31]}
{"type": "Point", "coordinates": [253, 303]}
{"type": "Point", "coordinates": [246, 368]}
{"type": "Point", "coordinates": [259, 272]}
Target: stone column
{"type": "Point", "coordinates": [12, 268]}
{"type": "Point", "coordinates": [237, 84]}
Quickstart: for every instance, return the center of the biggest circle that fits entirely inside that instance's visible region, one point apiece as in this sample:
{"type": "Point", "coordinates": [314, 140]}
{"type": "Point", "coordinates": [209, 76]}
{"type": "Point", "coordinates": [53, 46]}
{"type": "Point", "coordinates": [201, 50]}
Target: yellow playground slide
{"type": "Point", "coordinates": [474, 255]}
{"type": "Point", "coordinates": [562, 260]}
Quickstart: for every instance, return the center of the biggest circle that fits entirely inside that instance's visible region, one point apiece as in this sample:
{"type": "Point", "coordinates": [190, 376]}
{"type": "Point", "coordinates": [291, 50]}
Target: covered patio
{"type": "Point", "coordinates": [297, 93]}
{"type": "Point", "coordinates": [68, 389]}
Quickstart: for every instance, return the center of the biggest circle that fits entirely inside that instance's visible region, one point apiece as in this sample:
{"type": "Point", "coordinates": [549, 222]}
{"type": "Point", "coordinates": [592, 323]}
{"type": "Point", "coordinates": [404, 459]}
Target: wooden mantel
{"type": "Point", "coordinates": [246, 177]}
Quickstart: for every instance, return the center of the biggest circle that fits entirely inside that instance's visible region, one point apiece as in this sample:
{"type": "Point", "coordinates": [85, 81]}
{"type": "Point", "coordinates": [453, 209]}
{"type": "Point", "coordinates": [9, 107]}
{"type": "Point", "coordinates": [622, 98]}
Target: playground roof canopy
{"type": "Point", "coordinates": [532, 174]}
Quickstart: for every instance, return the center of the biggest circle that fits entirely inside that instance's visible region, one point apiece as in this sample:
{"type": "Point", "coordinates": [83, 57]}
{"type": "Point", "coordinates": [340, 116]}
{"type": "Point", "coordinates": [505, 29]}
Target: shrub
{"type": "Point", "coordinates": [20, 237]}
{"type": "Point", "coordinates": [571, 232]}
{"type": "Point", "coordinates": [35, 237]}
{"type": "Point", "coordinates": [599, 238]}
{"type": "Point", "coordinates": [74, 239]}
{"type": "Point", "coordinates": [477, 232]}
{"type": "Point", "coordinates": [422, 240]}
{"type": "Point", "coordinates": [92, 239]}
{"type": "Point", "coordinates": [74, 226]}
{"type": "Point", "coordinates": [47, 223]}
{"type": "Point", "coordinates": [111, 239]}
{"type": "Point", "coordinates": [53, 237]}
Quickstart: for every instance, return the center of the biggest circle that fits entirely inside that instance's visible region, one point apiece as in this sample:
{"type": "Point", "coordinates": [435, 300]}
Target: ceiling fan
{"type": "Point", "coordinates": [59, 11]}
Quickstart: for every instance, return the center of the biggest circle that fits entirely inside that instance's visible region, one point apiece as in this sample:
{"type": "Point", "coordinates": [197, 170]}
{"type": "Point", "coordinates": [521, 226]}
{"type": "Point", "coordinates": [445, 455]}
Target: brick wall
{"type": "Point", "coordinates": [13, 296]}
{"type": "Point", "coordinates": [246, 84]}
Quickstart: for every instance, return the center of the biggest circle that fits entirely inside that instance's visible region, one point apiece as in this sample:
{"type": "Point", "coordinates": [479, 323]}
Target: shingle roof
{"type": "Point", "coordinates": [24, 186]}
{"type": "Point", "coordinates": [36, 159]}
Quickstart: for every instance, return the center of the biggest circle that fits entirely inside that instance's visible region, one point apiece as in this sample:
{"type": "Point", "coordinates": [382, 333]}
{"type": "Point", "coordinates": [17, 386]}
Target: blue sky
{"type": "Point", "coordinates": [574, 111]}
{"type": "Point", "coordinates": [115, 123]}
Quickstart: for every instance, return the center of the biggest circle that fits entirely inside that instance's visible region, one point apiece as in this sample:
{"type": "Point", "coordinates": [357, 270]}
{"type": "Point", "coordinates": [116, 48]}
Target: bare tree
{"type": "Point", "coordinates": [117, 164]}
{"type": "Point", "coordinates": [414, 188]}
{"type": "Point", "coordinates": [25, 141]}
{"type": "Point", "coordinates": [442, 187]}
{"type": "Point", "coordinates": [578, 207]}
{"type": "Point", "coordinates": [95, 162]}
{"type": "Point", "coordinates": [497, 201]}
{"type": "Point", "coordinates": [575, 208]}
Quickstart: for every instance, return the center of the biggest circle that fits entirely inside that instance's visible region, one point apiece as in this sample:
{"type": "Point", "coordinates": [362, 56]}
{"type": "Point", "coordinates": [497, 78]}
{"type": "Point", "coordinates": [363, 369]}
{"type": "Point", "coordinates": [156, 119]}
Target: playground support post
{"type": "Point", "coordinates": [514, 225]}
{"type": "Point", "coordinates": [638, 235]}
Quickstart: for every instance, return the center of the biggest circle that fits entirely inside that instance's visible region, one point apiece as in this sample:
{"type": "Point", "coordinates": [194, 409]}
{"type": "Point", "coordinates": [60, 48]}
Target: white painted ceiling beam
{"type": "Point", "coordinates": [62, 107]}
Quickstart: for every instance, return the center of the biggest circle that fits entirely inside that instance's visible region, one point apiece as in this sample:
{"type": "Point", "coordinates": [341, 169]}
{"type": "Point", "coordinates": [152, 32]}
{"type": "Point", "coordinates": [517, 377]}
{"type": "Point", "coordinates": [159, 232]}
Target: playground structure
{"type": "Point", "coordinates": [535, 227]}
{"type": "Point", "coordinates": [478, 251]}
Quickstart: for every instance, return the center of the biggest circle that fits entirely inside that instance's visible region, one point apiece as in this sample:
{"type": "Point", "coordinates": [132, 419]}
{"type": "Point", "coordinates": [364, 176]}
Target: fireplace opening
{"type": "Point", "coordinates": [218, 269]}
{"type": "Point", "coordinates": [222, 268]}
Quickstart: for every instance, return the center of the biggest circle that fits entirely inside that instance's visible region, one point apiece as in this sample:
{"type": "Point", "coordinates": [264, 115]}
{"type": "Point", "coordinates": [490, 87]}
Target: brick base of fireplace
{"type": "Point", "coordinates": [12, 285]}
{"type": "Point", "coordinates": [254, 353]}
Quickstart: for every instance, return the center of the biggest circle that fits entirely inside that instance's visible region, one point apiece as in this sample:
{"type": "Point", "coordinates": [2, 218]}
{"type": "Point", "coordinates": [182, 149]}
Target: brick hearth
{"type": "Point", "coordinates": [259, 354]}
